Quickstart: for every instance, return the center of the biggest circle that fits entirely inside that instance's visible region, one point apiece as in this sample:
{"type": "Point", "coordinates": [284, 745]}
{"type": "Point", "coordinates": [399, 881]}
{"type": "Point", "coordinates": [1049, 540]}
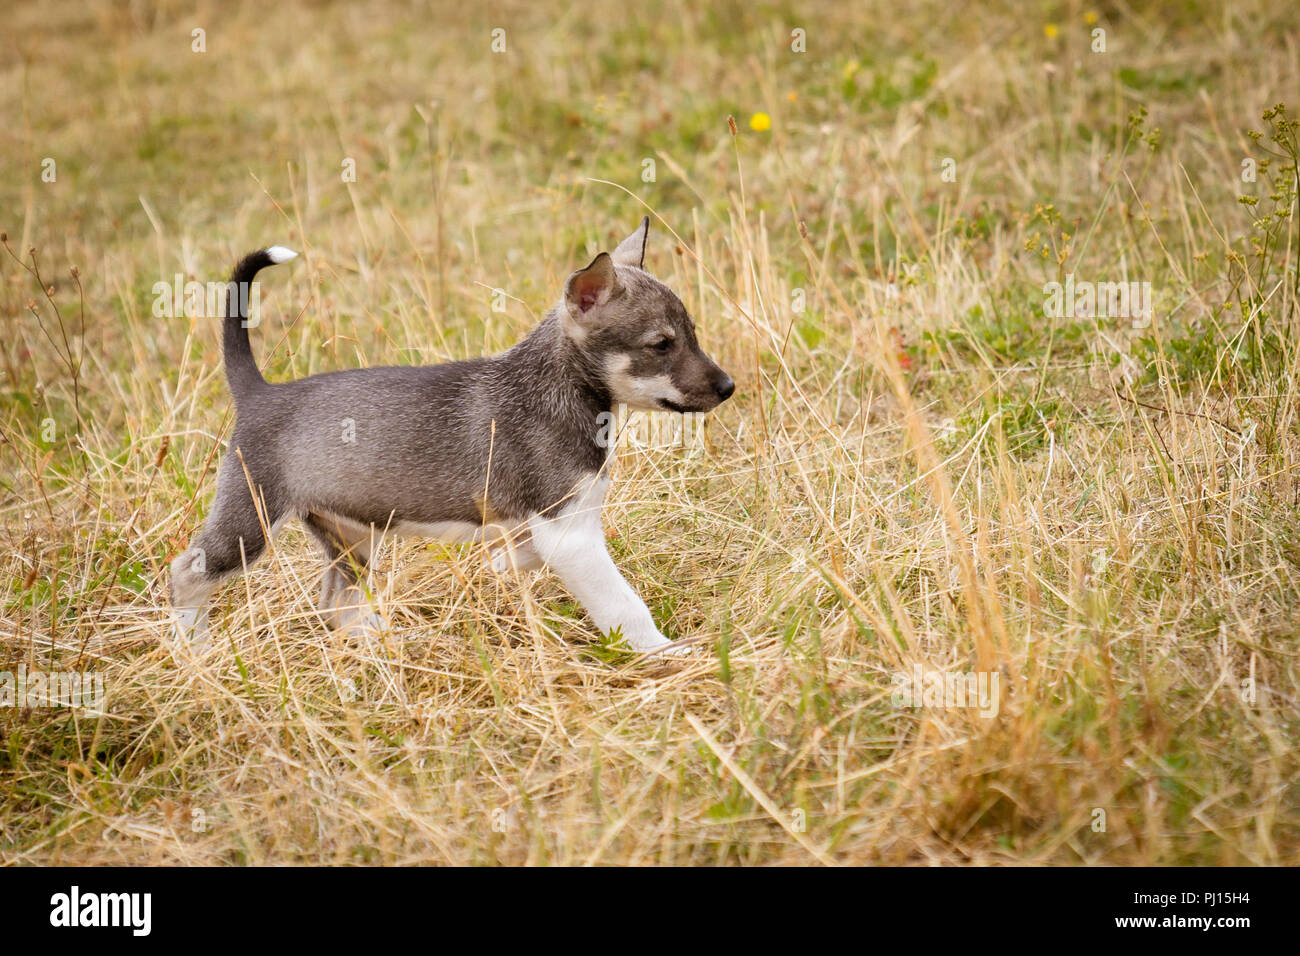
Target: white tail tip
{"type": "Point", "coordinates": [280, 254]}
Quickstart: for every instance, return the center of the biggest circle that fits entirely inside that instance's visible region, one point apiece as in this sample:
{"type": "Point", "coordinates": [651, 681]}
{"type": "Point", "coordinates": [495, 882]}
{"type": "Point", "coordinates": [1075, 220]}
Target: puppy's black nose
{"type": "Point", "coordinates": [724, 387]}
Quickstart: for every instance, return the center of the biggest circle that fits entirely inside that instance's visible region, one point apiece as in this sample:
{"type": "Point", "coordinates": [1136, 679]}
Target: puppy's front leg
{"type": "Point", "coordinates": [573, 545]}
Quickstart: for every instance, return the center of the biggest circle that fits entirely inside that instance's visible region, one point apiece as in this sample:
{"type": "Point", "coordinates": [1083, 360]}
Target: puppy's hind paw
{"type": "Point", "coordinates": [365, 626]}
{"type": "Point", "coordinates": [190, 627]}
{"type": "Point", "coordinates": [188, 640]}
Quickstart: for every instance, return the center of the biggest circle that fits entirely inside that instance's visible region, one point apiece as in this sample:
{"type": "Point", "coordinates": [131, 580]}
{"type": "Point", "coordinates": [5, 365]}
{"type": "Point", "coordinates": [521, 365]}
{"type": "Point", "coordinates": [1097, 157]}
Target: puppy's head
{"type": "Point", "coordinates": [637, 334]}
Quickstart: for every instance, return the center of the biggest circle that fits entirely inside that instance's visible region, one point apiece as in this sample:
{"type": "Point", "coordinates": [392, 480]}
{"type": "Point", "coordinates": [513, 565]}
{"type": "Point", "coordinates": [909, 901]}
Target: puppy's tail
{"type": "Point", "coordinates": [241, 369]}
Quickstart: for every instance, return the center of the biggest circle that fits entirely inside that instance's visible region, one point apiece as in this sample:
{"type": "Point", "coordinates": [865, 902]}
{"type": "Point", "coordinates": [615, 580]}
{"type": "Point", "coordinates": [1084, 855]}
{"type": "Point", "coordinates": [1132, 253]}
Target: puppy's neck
{"type": "Point", "coordinates": [553, 364]}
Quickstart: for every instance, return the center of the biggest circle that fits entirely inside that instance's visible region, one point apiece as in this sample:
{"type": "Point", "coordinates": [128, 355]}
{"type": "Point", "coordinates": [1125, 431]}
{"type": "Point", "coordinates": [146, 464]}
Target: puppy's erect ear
{"type": "Point", "coordinates": [631, 251]}
{"type": "Point", "coordinates": [590, 288]}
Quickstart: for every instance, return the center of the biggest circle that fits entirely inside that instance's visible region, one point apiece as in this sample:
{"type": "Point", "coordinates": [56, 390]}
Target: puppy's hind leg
{"type": "Point", "coordinates": [192, 586]}
{"type": "Point", "coordinates": [232, 539]}
{"type": "Point", "coordinates": [346, 546]}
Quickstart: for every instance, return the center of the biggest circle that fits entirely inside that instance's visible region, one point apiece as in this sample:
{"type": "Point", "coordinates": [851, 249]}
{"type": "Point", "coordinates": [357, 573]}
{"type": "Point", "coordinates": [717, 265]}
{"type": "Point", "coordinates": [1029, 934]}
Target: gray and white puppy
{"type": "Point", "coordinates": [506, 450]}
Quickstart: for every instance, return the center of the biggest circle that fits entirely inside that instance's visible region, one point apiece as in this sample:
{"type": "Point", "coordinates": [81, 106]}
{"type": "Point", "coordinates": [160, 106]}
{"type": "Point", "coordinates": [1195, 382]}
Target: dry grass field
{"type": "Point", "coordinates": [927, 468]}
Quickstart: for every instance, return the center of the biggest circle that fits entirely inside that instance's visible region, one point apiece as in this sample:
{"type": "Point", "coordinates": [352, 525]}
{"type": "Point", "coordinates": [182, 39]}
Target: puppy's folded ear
{"type": "Point", "coordinates": [631, 251]}
{"type": "Point", "coordinates": [590, 288]}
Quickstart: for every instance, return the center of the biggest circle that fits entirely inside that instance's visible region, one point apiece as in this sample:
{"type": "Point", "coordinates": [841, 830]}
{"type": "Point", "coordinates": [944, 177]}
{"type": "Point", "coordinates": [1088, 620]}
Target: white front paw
{"type": "Point", "coordinates": [652, 642]}
{"type": "Point", "coordinates": [678, 651]}
{"type": "Point", "coordinates": [648, 643]}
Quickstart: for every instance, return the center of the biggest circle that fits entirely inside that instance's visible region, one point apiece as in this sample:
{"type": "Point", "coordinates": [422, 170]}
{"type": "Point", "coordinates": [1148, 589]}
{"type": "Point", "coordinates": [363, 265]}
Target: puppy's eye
{"type": "Point", "coordinates": [663, 345]}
